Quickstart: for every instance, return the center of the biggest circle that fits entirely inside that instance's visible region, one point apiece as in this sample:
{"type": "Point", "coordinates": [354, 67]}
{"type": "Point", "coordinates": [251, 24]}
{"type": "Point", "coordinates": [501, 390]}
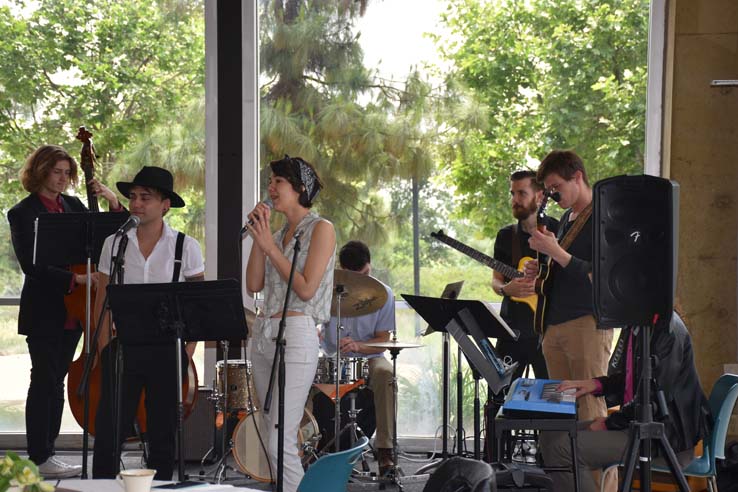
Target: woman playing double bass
{"type": "Point", "coordinates": [51, 333]}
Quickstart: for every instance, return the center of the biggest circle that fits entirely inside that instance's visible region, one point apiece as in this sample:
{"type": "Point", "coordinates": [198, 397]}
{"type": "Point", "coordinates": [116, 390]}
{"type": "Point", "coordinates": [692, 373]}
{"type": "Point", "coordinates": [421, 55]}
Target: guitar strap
{"type": "Point", "coordinates": [516, 251]}
{"type": "Point", "coordinates": [179, 248]}
{"type": "Point", "coordinates": [576, 228]}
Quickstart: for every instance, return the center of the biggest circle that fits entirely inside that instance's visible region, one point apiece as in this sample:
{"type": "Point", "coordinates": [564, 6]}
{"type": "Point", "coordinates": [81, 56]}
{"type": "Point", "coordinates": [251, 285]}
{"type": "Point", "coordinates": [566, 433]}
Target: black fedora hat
{"type": "Point", "coordinates": [153, 177]}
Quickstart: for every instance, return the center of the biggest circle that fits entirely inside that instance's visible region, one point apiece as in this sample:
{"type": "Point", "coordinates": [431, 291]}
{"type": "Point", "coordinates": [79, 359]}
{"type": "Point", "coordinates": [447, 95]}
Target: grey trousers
{"type": "Point", "coordinates": [596, 450]}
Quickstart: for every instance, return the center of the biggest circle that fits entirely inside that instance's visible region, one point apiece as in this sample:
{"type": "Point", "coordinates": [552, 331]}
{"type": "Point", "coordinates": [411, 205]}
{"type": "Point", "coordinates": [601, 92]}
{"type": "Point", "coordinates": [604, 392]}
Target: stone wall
{"type": "Point", "coordinates": [702, 152]}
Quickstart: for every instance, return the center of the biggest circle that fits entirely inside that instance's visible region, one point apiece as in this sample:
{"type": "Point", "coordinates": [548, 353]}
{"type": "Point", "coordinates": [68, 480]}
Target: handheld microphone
{"type": "Point", "coordinates": [131, 223]}
{"type": "Point", "coordinates": [555, 195]}
{"type": "Point", "coordinates": [268, 202]}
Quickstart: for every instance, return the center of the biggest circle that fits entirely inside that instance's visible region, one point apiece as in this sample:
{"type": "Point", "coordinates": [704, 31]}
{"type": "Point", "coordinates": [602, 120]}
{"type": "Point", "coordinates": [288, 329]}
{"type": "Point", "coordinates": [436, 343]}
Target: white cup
{"type": "Point", "coordinates": [138, 480]}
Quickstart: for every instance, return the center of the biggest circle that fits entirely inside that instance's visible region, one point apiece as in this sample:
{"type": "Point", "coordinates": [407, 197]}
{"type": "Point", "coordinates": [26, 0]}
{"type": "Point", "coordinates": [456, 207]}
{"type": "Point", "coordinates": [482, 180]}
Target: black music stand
{"type": "Point", "coordinates": [73, 239]}
{"type": "Point", "coordinates": [159, 314]}
{"type": "Point", "coordinates": [470, 323]}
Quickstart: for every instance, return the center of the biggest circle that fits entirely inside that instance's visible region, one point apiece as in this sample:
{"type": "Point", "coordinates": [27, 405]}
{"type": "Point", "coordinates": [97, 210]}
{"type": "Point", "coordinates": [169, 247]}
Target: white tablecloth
{"type": "Point", "coordinates": [113, 486]}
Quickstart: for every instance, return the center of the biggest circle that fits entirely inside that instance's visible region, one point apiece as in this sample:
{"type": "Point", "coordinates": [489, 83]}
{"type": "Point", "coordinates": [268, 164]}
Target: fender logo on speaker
{"type": "Point", "coordinates": [635, 235]}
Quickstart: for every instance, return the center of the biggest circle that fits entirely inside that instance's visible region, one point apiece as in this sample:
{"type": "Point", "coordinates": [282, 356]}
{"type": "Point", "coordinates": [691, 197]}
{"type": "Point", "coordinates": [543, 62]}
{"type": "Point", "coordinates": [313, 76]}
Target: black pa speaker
{"type": "Point", "coordinates": [634, 262]}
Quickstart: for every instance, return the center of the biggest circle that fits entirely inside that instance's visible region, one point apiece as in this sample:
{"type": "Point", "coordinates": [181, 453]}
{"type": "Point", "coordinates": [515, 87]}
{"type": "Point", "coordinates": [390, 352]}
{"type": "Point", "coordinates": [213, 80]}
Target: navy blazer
{"type": "Point", "coordinates": [42, 311]}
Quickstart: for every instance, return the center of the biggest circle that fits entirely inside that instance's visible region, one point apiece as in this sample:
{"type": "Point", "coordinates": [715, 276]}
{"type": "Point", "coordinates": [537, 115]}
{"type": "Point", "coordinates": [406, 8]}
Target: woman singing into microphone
{"type": "Point", "coordinates": [293, 186]}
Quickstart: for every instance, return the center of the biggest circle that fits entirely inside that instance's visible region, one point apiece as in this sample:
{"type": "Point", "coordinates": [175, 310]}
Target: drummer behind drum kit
{"type": "Point", "coordinates": [237, 407]}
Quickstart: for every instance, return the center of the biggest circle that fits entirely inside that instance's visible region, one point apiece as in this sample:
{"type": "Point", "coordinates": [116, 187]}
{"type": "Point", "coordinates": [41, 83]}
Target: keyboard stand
{"type": "Point", "coordinates": [505, 424]}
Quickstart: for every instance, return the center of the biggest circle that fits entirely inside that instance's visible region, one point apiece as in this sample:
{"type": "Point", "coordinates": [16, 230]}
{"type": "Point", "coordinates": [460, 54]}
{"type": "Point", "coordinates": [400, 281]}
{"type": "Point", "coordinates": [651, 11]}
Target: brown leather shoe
{"type": "Point", "coordinates": [384, 457]}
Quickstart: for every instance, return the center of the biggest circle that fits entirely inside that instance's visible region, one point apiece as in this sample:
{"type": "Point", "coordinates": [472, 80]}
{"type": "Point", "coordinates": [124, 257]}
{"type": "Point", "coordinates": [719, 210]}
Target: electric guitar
{"type": "Point", "coordinates": [544, 278]}
{"type": "Point", "coordinates": [496, 265]}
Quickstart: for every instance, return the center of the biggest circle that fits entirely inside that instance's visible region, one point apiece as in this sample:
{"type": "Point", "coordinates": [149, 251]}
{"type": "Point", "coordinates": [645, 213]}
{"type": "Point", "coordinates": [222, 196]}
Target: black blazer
{"type": "Point", "coordinates": [675, 373]}
{"type": "Point", "coordinates": [42, 310]}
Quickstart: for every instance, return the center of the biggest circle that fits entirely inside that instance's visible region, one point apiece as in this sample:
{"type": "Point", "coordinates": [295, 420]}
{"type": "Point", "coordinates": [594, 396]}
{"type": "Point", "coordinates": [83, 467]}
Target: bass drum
{"type": "Point", "coordinates": [249, 452]}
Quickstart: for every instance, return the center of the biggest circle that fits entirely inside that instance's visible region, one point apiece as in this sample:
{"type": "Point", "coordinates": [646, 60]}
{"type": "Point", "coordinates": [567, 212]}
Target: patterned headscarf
{"type": "Point", "coordinates": [307, 176]}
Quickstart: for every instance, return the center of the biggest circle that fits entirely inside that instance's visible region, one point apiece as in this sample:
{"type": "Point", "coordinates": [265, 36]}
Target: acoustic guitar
{"type": "Point", "coordinates": [496, 265]}
{"type": "Point", "coordinates": [543, 279]}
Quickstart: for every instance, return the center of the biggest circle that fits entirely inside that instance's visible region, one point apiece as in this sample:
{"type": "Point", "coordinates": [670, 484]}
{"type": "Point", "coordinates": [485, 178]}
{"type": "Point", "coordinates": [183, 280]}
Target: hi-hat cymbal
{"type": "Point", "coordinates": [361, 294]}
{"type": "Point", "coordinates": [393, 344]}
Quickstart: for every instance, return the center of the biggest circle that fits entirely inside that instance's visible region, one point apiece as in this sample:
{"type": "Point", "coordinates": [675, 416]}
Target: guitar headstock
{"type": "Point", "coordinates": [83, 135]}
{"type": "Point", "coordinates": [87, 156]}
{"type": "Point", "coordinates": [541, 214]}
{"type": "Point", "coordinates": [87, 163]}
{"type": "Point", "coordinates": [438, 234]}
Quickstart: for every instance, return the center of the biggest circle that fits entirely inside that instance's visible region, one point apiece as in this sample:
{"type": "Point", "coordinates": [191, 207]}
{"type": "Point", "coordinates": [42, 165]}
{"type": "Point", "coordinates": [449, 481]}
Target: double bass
{"type": "Point", "coordinates": [76, 304]}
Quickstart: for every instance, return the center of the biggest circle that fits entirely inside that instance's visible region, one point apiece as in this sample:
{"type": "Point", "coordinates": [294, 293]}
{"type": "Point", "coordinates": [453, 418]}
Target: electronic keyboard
{"type": "Point", "coordinates": [538, 399]}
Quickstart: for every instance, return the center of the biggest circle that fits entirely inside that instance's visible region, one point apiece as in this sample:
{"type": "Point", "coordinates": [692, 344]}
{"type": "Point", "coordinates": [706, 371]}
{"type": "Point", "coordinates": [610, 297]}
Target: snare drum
{"type": "Point", "coordinates": [248, 451]}
{"type": "Point", "coordinates": [240, 385]}
{"type": "Point", "coordinates": [352, 370]}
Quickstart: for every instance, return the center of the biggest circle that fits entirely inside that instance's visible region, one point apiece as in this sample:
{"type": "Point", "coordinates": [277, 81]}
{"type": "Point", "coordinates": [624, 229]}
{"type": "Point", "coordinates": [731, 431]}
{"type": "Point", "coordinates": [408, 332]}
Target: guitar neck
{"type": "Point", "coordinates": [496, 265]}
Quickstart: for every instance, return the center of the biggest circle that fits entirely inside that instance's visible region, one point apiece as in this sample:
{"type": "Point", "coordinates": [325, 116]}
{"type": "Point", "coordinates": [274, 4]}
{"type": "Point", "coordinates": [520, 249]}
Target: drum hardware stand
{"type": "Point", "coordinates": [337, 371]}
{"type": "Point", "coordinates": [222, 465]}
{"type": "Point", "coordinates": [353, 425]}
{"type": "Point", "coordinates": [395, 472]}
{"type": "Point", "coordinates": [207, 459]}
{"type": "Point", "coordinates": [354, 429]}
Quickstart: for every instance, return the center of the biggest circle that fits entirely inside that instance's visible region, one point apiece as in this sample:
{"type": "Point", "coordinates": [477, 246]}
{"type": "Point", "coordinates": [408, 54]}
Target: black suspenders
{"type": "Point", "coordinates": [178, 256]}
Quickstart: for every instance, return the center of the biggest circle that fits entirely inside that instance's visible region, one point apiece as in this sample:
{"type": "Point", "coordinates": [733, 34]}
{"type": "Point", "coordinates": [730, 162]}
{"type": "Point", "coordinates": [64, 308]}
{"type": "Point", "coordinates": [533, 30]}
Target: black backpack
{"type": "Point", "coordinates": [727, 469]}
{"type": "Point", "coordinates": [516, 476]}
{"type": "Point", "coordinates": [462, 475]}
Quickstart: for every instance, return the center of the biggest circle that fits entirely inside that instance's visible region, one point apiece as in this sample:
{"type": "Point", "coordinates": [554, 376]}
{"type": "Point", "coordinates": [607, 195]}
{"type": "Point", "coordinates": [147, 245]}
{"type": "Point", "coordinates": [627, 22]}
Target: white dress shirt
{"type": "Point", "coordinates": [159, 266]}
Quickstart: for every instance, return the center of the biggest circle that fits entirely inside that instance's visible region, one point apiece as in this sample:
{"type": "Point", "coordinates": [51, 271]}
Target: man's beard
{"type": "Point", "coordinates": [523, 213]}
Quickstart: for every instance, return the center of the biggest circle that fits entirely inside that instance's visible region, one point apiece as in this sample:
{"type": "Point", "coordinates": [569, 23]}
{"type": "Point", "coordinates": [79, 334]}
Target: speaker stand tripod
{"type": "Point", "coordinates": [643, 431]}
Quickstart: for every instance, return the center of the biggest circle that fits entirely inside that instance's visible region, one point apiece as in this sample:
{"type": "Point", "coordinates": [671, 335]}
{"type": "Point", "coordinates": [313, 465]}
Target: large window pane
{"type": "Point", "coordinates": [132, 72]}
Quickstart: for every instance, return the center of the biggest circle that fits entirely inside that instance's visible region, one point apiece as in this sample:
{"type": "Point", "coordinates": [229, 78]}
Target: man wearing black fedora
{"type": "Point", "coordinates": [150, 257]}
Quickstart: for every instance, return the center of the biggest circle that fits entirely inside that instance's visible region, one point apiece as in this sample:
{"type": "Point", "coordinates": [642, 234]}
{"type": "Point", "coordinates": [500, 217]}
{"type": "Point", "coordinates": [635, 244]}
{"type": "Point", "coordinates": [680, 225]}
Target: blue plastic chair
{"type": "Point", "coordinates": [722, 401]}
{"type": "Point", "coordinates": [331, 472]}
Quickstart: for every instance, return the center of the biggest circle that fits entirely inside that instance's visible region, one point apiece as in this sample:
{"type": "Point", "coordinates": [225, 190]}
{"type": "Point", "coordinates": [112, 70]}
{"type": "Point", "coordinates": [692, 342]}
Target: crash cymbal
{"type": "Point", "coordinates": [362, 294]}
{"type": "Point", "coordinates": [393, 344]}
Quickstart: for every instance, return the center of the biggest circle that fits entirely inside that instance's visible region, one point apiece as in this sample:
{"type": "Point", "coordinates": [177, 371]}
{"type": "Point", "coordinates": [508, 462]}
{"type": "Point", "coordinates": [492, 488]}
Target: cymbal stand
{"type": "Point", "coordinates": [352, 426]}
{"type": "Point", "coordinates": [214, 399]}
{"type": "Point", "coordinates": [337, 369]}
{"type": "Point", "coordinates": [395, 472]}
{"type": "Point", "coordinates": [222, 465]}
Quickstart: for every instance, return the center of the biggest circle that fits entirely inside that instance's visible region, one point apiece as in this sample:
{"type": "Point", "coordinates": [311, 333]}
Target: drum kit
{"type": "Point", "coordinates": [235, 401]}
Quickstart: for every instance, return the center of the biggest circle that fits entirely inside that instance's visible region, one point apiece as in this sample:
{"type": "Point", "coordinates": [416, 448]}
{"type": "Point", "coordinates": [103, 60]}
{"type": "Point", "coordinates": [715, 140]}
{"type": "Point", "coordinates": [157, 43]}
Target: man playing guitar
{"type": "Point", "coordinates": [573, 347]}
{"type": "Point", "coordinates": [511, 245]}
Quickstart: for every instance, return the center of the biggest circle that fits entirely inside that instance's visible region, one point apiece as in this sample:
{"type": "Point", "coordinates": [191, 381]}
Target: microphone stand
{"type": "Point", "coordinates": [116, 277]}
{"type": "Point", "coordinates": [86, 397]}
{"type": "Point", "coordinates": [279, 361]}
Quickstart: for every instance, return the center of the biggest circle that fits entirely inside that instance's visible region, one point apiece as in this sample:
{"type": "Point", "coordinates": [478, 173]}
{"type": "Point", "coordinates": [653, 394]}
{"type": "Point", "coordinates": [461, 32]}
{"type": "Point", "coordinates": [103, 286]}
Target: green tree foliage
{"type": "Point", "coordinates": [126, 69]}
{"type": "Point", "coordinates": [321, 103]}
{"type": "Point", "coordinates": [116, 66]}
{"type": "Point", "coordinates": [554, 74]}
